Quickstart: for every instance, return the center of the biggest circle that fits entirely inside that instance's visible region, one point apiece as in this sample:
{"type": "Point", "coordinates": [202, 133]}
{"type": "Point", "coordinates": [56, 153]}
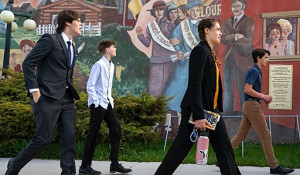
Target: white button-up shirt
{"type": "Point", "coordinates": [66, 39]}
{"type": "Point", "coordinates": [99, 84]}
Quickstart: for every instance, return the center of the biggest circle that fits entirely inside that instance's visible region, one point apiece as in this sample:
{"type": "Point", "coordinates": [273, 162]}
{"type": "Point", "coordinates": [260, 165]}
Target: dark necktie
{"type": "Point", "coordinates": [69, 53]}
{"type": "Point", "coordinates": [235, 22]}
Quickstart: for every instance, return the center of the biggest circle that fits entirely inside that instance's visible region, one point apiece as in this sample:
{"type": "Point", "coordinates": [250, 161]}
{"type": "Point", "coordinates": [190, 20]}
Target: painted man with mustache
{"type": "Point", "coordinates": [237, 56]}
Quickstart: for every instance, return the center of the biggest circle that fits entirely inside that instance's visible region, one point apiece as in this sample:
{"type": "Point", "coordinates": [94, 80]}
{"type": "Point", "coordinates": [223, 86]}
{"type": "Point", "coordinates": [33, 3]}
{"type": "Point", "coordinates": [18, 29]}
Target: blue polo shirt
{"type": "Point", "coordinates": [254, 78]}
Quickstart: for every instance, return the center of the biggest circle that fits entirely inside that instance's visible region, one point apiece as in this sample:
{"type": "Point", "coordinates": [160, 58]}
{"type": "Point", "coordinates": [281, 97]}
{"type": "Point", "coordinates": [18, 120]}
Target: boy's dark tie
{"type": "Point", "coordinates": [69, 53]}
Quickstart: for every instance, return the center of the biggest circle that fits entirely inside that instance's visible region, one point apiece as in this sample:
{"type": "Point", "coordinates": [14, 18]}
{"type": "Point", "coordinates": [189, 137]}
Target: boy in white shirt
{"type": "Point", "coordinates": [101, 106]}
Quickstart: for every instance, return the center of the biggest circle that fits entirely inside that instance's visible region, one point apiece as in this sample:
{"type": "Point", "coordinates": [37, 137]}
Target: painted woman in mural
{"type": "Point", "coordinates": [182, 13]}
{"type": "Point", "coordinates": [287, 28]}
{"type": "Point", "coordinates": [187, 35]}
{"type": "Point", "coordinates": [158, 31]}
{"type": "Point", "coordinates": [172, 13]}
{"type": "Point", "coordinates": [26, 46]}
{"type": "Point", "coordinates": [275, 46]}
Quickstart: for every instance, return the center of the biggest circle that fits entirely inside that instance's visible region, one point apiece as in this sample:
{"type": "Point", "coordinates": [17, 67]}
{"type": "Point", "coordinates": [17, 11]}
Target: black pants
{"type": "Point", "coordinates": [48, 113]}
{"type": "Point", "coordinates": [97, 115]}
{"type": "Point", "coordinates": [181, 146]}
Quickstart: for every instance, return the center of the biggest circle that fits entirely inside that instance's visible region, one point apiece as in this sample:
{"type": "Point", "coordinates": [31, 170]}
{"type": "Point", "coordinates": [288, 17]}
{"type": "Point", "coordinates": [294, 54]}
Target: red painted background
{"type": "Point", "coordinates": [254, 10]}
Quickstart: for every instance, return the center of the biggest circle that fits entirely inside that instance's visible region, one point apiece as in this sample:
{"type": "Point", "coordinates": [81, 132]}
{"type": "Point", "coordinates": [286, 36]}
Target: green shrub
{"type": "Point", "coordinates": [12, 88]}
{"type": "Point", "coordinates": [16, 121]}
{"type": "Point", "coordinates": [137, 115]}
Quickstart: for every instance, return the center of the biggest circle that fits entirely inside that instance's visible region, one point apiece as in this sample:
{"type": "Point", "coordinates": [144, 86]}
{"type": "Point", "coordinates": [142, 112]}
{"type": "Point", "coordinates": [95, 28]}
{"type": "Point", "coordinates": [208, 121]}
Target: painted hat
{"type": "Point", "coordinates": [27, 42]}
{"type": "Point", "coordinates": [242, 1]}
{"type": "Point", "coordinates": [158, 5]}
{"type": "Point", "coordinates": [171, 6]}
{"type": "Point", "coordinates": [192, 3]}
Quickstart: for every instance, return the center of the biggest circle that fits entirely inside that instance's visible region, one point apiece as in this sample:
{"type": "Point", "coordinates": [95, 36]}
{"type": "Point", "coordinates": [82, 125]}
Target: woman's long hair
{"type": "Point", "coordinates": [207, 23]}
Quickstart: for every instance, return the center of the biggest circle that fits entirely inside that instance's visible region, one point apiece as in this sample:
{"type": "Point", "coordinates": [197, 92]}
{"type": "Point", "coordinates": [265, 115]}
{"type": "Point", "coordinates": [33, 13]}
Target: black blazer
{"type": "Point", "coordinates": [202, 83]}
{"type": "Point", "coordinates": [53, 74]}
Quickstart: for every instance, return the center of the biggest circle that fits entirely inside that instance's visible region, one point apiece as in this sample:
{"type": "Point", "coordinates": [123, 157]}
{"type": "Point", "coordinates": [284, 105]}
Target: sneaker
{"type": "Point", "coordinates": [119, 168]}
{"type": "Point", "coordinates": [88, 171]}
{"type": "Point", "coordinates": [280, 170]}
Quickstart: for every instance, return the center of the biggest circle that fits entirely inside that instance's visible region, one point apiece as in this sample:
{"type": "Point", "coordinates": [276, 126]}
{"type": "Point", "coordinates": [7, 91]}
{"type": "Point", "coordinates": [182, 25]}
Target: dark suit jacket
{"type": "Point", "coordinates": [202, 83]}
{"type": "Point", "coordinates": [53, 74]}
{"type": "Point", "coordinates": [242, 48]}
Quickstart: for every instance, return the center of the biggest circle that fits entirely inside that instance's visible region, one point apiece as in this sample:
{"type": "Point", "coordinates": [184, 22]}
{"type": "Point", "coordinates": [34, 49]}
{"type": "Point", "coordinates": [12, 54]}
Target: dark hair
{"type": "Point", "coordinates": [244, 3]}
{"type": "Point", "coordinates": [104, 44]}
{"type": "Point", "coordinates": [168, 13]}
{"type": "Point", "coordinates": [65, 16]}
{"type": "Point", "coordinates": [206, 23]}
{"type": "Point", "coordinates": [271, 26]}
{"type": "Point", "coordinates": [259, 53]}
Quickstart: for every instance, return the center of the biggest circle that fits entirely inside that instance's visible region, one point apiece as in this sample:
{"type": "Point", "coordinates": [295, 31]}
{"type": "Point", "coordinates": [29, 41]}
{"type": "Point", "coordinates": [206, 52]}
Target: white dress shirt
{"type": "Point", "coordinates": [99, 84]}
{"type": "Point", "coordinates": [66, 39]}
{"type": "Point", "coordinates": [239, 17]}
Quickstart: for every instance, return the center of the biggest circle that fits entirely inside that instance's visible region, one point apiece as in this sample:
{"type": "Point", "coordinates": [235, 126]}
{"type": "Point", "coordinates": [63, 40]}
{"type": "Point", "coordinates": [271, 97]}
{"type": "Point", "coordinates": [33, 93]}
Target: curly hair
{"type": "Point", "coordinates": [271, 27]}
{"type": "Point", "coordinates": [285, 24]}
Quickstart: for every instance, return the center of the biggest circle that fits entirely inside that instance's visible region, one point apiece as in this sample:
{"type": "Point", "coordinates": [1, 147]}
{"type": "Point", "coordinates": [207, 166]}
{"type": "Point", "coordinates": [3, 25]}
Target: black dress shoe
{"type": "Point", "coordinates": [10, 173]}
{"type": "Point", "coordinates": [9, 170]}
{"type": "Point", "coordinates": [88, 171]}
{"type": "Point", "coordinates": [280, 170]}
{"type": "Point", "coordinates": [119, 168]}
{"type": "Point", "coordinates": [217, 164]}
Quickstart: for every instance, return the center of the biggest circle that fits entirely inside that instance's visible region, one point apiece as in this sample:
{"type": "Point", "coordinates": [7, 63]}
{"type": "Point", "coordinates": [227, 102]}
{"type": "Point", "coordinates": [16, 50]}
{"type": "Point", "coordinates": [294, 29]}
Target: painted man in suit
{"type": "Point", "coordinates": [48, 73]}
{"type": "Point", "coordinates": [237, 36]}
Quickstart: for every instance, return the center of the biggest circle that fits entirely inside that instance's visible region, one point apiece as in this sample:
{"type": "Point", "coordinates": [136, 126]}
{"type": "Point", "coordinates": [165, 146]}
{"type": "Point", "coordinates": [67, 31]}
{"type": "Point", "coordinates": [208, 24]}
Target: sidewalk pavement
{"type": "Point", "coordinates": [51, 167]}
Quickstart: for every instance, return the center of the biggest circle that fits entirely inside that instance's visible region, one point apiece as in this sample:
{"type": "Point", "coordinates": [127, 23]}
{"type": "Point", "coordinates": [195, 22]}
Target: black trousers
{"type": "Point", "coordinates": [97, 115]}
{"type": "Point", "coordinates": [181, 146]}
{"type": "Point", "coordinates": [49, 113]}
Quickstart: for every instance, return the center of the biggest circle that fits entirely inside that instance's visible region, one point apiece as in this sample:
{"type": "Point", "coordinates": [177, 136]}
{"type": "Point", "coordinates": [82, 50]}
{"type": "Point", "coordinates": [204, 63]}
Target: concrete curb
{"type": "Point", "coordinates": [52, 167]}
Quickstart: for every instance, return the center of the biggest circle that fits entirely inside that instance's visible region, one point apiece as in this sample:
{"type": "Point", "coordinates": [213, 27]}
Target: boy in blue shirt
{"type": "Point", "coordinates": [253, 115]}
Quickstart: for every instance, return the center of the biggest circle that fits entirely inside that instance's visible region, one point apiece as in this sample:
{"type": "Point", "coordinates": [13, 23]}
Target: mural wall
{"type": "Point", "coordinates": [155, 37]}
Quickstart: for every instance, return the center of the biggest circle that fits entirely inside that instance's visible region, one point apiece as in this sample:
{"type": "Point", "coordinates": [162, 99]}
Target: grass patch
{"type": "Point", "coordinates": [287, 154]}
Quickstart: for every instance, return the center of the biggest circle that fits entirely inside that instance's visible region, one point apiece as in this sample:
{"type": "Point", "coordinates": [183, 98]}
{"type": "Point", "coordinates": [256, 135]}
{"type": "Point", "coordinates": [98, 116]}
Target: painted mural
{"type": "Point", "coordinates": [155, 37]}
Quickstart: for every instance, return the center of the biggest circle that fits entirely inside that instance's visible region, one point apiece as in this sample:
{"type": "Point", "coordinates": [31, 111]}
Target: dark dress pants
{"type": "Point", "coordinates": [48, 113]}
{"type": "Point", "coordinates": [97, 115]}
{"type": "Point", "coordinates": [182, 144]}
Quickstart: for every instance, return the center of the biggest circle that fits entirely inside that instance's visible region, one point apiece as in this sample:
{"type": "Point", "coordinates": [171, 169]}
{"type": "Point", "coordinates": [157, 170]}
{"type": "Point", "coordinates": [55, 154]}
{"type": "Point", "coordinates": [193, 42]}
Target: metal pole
{"type": "Point", "coordinates": [169, 123]}
{"type": "Point", "coordinates": [298, 128]}
{"type": "Point", "coordinates": [243, 149]}
{"type": "Point", "coordinates": [270, 129]}
{"type": "Point", "coordinates": [124, 12]}
{"type": "Point", "coordinates": [6, 48]}
{"type": "Point", "coordinates": [7, 40]}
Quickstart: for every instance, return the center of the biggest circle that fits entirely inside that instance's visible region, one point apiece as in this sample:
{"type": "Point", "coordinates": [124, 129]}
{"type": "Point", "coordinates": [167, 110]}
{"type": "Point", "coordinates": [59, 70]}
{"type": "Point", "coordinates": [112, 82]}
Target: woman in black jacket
{"type": "Point", "coordinates": [204, 91]}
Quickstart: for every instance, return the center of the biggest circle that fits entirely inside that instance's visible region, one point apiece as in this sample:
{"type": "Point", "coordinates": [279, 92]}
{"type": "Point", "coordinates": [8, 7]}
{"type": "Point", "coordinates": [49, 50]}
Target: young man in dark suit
{"type": "Point", "coordinates": [48, 73]}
